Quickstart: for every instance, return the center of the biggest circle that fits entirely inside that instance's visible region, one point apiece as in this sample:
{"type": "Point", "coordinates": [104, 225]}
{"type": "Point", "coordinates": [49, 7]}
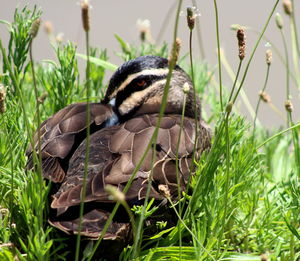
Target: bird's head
{"type": "Point", "coordinates": [137, 88]}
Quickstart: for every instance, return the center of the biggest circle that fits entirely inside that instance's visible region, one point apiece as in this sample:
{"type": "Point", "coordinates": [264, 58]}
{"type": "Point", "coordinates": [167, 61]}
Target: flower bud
{"type": "Point", "coordinates": [229, 107]}
{"type": "Point", "coordinates": [48, 27]}
{"type": "Point", "coordinates": [268, 57]}
{"type": "Point", "coordinates": [35, 28]}
{"type": "Point", "coordinates": [144, 29]}
{"type": "Point", "coordinates": [288, 7]}
{"type": "Point", "coordinates": [186, 88]}
{"type": "Point", "coordinates": [265, 97]}
{"type": "Point", "coordinates": [175, 51]}
{"type": "Point", "coordinates": [279, 21]}
{"type": "Point", "coordinates": [288, 105]}
{"type": "Point", "coordinates": [190, 18]}
{"type": "Point", "coordinates": [164, 190]}
{"type": "Point", "coordinates": [115, 194]}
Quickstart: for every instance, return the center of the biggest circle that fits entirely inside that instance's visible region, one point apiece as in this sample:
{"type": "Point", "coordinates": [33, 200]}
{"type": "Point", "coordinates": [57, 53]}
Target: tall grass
{"type": "Point", "coordinates": [244, 199]}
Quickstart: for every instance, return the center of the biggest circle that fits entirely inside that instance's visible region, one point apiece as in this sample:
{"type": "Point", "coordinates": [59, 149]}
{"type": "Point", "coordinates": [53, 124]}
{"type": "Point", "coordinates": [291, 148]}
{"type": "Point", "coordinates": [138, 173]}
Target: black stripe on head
{"type": "Point", "coordinates": [134, 87]}
{"type": "Point", "coordinates": [133, 66]}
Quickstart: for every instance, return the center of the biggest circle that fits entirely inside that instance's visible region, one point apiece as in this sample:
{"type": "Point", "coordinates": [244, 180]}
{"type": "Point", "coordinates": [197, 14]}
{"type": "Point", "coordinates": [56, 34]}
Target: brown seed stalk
{"type": "Point", "coordinates": [85, 16]}
{"type": "Point", "coordinates": [241, 43]}
{"type": "Point", "coordinates": [190, 18]}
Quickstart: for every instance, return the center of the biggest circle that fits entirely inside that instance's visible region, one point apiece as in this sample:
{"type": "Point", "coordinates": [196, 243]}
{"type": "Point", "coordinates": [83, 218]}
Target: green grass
{"type": "Point", "coordinates": [245, 198]}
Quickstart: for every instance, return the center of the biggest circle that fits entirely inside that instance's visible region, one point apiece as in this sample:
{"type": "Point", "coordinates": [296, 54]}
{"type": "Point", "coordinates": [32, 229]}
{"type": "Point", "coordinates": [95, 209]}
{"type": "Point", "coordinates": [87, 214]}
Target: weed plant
{"type": "Point", "coordinates": [244, 202]}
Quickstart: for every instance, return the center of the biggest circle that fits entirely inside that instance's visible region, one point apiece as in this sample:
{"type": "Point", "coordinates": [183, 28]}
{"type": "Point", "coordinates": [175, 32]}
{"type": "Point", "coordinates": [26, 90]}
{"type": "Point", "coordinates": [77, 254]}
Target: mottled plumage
{"type": "Point", "coordinates": [121, 128]}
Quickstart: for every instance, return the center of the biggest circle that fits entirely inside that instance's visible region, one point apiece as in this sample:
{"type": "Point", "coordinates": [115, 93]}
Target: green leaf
{"type": "Point", "coordinates": [99, 62]}
{"type": "Point", "coordinates": [6, 23]}
{"type": "Point", "coordinates": [162, 233]}
{"type": "Point", "coordinates": [123, 44]}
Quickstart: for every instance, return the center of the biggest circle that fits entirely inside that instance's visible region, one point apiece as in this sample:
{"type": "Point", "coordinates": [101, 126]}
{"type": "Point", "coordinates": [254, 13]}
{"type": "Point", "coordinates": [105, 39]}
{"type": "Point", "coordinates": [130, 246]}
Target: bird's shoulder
{"type": "Point", "coordinates": [61, 134]}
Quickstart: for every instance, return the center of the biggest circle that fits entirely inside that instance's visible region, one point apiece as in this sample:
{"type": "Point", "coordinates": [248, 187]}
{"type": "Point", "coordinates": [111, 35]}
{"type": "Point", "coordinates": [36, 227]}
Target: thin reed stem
{"type": "Point", "coordinates": [259, 99]}
{"type": "Point", "coordinates": [295, 31]}
{"type": "Point", "coordinates": [254, 50]}
{"type": "Point", "coordinates": [199, 35]}
{"type": "Point", "coordinates": [87, 145]}
{"type": "Point", "coordinates": [195, 101]}
{"type": "Point", "coordinates": [227, 177]}
{"type": "Point", "coordinates": [232, 76]}
{"type": "Point", "coordinates": [172, 64]}
{"type": "Point", "coordinates": [39, 165]}
{"type": "Point", "coordinates": [286, 64]}
{"type": "Point", "coordinates": [219, 133]}
{"type": "Point", "coordinates": [277, 135]}
{"type": "Point", "coordinates": [189, 230]}
{"type": "Point", "coordinates": [151, 142]}
{"type": "Point", "coordinates": [235, 80]}
{"type": "Point", "coordinates": [276, 50]}
{"type": "Point", "coordinates": [15, 83]}
{"type": "Point", "coordinates": [177, 169]}
{"type": "Point", "coordinates": [219, 54]}
{"type": "Point", "coordinates": [165, 23]}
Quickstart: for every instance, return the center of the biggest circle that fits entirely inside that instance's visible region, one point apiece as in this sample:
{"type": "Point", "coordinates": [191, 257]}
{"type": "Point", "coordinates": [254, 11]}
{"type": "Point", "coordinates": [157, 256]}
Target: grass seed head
{"type": "Point", "coordinates": [85, 16]}
{"type": "Point", "coordinates": [241, 42]}
{"type": "Point", "coordinates": [288, 105]}
{"type": "Point", "coordinates": [288, 7]}
{"type": "Point", "coordinates": [175, 51]}
{"type": "Point", "coordinates": [48, 27]}
{"type": "Point", "coordinates": [115, 194]}
{"type": "Point", "coordinates": [186, 88]}
{"type": "Point", "coordinates": [269, 57]}
{"type": "Point", "coordinates": [35, 28]}
{"type": "Point", "coordinates": [164, 190]}
{"type": "Point", "coordinates": [190, 18]}
{"type": "Point", "coordinates": [2, 99]}
{"type": "Point", "coordinates": [279, 21]}
{"type": "Point", "coordinates": [144, 27]}
{"type": "Point", "coordinates": [229, 107]}
{"type": "Point", "coordinates": [265, 97]}
{"type": "Point", "coordinates": [41, 99]}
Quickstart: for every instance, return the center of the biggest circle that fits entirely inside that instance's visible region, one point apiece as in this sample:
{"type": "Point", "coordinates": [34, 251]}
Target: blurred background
{"type": "Point", "coordinates": [110, 17]}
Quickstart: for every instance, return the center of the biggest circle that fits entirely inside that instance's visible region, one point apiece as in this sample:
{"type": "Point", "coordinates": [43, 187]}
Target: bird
{"type": "Point", "coordinates": [121, 126]}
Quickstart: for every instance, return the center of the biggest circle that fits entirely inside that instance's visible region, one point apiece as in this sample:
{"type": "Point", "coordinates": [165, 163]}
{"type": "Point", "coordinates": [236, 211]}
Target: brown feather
{"type": "Point", "coordinates": [114, 153]}
{"type": "Point", "coordinates": [61, 134]}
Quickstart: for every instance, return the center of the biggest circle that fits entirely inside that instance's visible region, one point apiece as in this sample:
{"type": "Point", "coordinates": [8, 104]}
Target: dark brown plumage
{"type": "Point", "coordinates": [121, 128]}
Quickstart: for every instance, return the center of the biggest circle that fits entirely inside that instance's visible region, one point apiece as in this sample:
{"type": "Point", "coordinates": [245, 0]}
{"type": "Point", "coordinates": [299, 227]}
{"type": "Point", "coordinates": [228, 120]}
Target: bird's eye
{"type": "Point", "coordinates": [141, 83]}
